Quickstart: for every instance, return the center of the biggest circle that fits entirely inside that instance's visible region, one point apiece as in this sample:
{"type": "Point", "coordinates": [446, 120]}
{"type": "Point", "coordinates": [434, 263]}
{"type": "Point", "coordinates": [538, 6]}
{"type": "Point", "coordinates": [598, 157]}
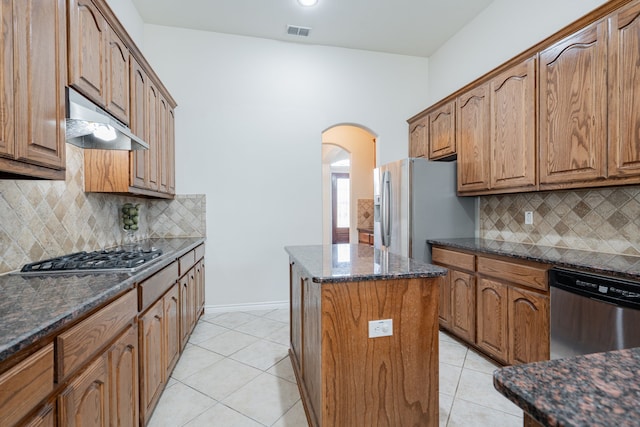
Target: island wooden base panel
{"type": "Point", "coordinates": [345, 377]}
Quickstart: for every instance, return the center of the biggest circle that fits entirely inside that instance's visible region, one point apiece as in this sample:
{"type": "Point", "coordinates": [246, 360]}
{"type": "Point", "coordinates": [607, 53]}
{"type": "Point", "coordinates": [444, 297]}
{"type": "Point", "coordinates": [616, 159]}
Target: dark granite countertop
{"type": "Point", "coordinates": [32, 307]}
{"type": "Point", "coordinates": [601, 389]}
{"type": "Point", "coordinates": [625, 266]}
{"type": "Point", "coordinates": [353, 263]}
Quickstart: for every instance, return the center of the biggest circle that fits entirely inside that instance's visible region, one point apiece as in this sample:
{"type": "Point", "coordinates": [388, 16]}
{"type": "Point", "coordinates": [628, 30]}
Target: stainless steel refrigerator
{"type": "Point", "coordinates": [415, 200]}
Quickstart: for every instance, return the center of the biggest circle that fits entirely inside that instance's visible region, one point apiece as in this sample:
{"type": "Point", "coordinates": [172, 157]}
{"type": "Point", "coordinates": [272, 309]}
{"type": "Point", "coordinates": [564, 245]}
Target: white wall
{"type": "Point", "coordinates": [503, 30]}
{"type": "Point", "coordinates": [128, 15]}
{"type": "Point", "coordinates": [249, 121]}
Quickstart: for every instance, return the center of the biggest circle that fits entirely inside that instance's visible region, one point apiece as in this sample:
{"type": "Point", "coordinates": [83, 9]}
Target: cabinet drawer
{"type": "Point", "coordinates": [187, 261]}
{"type": "Point", "coordinates": [25, 385]}
{"type": "Point", "coordinates": [75, 346]}
{"type": "Point", "coordinates": [453, 258]}
{"type": "Point", "coordinates": [154, 287]}
{"type": "Point", "coordinates": [200, 252]}
{"type": "Point", "coordinates": [525, 274]}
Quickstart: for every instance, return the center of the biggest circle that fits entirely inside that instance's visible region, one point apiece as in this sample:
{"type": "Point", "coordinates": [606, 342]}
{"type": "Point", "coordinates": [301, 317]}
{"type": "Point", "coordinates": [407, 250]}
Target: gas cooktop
{"type": "Point", "coordinates": [109, 260]}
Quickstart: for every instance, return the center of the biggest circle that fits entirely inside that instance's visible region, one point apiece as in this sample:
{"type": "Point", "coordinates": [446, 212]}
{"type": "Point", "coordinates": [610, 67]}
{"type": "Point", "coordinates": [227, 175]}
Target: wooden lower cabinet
{"type": "Point", "coordinates": [152, 356]}
{"type": "Point", "coordinates": [501, 307]}
{"type": "Point", "coordinates": [46, 417]}
{"type": "Point", "coordinates": [463, 303]}
{"type": "Point", "coordinates": [492, 315]}
{"type": "Point", "coordinates": [85, 401]}
{"type": "Point", "coordinates": [349, 379]}
{"type": "Point", "coordinates": [172, 342]}
{"type": "Point", "coordinates": [187, 298]}
{"type": "Point", "coordinates": [123, 379]}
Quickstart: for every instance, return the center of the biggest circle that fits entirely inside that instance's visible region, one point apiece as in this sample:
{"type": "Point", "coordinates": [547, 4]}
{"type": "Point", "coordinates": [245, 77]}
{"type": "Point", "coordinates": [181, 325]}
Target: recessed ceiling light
{"type": "Point", "coordinates": [308, 2]}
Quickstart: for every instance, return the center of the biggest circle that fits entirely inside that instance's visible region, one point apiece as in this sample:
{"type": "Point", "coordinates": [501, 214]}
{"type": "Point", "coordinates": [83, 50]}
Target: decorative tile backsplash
{"type": "Point", "coordinates": [603, 220]}
{"type": "Point", "coordinates": [365, 213]}
{"type": "Point", "coordinates": [43, 219]}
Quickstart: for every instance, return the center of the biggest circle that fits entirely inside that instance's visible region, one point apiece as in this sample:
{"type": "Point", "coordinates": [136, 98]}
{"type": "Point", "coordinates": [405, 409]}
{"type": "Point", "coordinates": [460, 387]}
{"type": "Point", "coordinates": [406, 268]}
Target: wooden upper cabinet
{"type": "Point", "coordinates": [573, 109]}
{"type": "Point", "coordinates": [419, 137]}
{"type": "Point", "coordinates": [33, 56]}
{"type": "Point", "coordinates": [472, 134]}
{"type": "Point", "coordinates": [163, 149]}
{"type": "Point", "coordinates": [624, 93]}
{"type": "Point", "coordinates": [117, 102]}
{"type": "Point", "coordinates": [171, 151]}
{"type": "Point", "coordinates": [442, 131]}
{"type": "Point", "coordinates": [88, 38]}
{"type": "Point", "coordinates": [513, 131]}
{"type": "Point", "coordinates": [152, 172]}
{"type": "Point", "coordinates": [139, 158]}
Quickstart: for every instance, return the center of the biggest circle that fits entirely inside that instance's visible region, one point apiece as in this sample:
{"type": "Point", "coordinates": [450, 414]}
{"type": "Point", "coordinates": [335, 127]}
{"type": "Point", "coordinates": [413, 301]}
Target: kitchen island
{"type": "Point", "coordinates": [338, 295]}
{"type": "Point", "coordinates": [600, 389]}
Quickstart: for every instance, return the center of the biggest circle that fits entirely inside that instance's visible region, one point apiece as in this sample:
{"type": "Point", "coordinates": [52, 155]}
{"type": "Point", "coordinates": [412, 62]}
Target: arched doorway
{"type": "Point", "coordinates": [348, 160]}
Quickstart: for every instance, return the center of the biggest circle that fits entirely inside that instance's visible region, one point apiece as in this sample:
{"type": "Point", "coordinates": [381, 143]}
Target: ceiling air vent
{"type": "Point", "coordinates": [294, 30]}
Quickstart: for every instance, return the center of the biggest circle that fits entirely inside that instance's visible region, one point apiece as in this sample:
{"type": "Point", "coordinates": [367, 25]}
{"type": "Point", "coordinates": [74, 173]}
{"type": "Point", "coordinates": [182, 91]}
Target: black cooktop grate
{"type": "Point", "coordinates": [106, 260]}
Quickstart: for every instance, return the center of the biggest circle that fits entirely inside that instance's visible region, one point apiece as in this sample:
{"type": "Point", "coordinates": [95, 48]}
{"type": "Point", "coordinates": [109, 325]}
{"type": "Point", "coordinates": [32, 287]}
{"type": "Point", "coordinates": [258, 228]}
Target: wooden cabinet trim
{"type": "Point", "coordinates": [531, 275]}
{"type": "Point", "coordinates": [200, 252]}
{"type": "Point", "coordinates": [187, 261]}
{"type": "Point", "coordinates": [75, 346]}
{"type": "Point", "coordinates": [25, 385]}
{"type": "Point", "coordinates": [152, 289]}
{"type": "Point", "coordinates": [461, 260]}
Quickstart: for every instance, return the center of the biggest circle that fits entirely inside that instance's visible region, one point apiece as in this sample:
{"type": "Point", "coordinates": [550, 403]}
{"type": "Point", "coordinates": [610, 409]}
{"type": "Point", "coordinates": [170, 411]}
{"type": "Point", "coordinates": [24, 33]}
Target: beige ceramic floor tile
{"type": "Point", "coordinates": [222, 379]}
{"type": "Point", "coordinates": [265, 399]}
{"type": "Point", "coordinates": [449, 376]}
{"type": "Point", "coordinates": [444, 337]}
{"type": "Point", "coordinates": [446, 402]}
{"type": "Point", "coordinates": [281, 336]}
{"type": "Point", "coordinates": [260, 313]}
{"type": "Point", "coordinates": [262, 354]}
{"type": "Point", "coordinates": [260, 327]}
{"type": "Point", "coordinates": [280, 315]}
{"type": "Point", "coordinates": [223, 416]}
{"type": "Point", "coordinates": [232, 319]}
{"type": "Point", "coordinates": [284, 370]}
{"type": "Point", "coordinates": [467, 414]}
{"type": "Point", "coordinates": [204, 331]}
{"type": "Point", "coordinates": [194, 359]}
{"type": "Point", "coordinates": [479, 363]}
{"type": "Point", "coordinates": [178, 405]}
{"type": "Point", "coordinates": [452, 353]}
{"type": "Point", "coordinates": [477, 387]}
{"type": "Point", "coordinates": [295, 417]}
{"type": "Point", "coordinates": [228, 343]}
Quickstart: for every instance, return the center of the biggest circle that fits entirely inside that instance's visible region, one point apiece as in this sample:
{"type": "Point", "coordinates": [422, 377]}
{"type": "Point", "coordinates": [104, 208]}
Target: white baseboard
{"type": "Point", "coordinates": [246, 307]}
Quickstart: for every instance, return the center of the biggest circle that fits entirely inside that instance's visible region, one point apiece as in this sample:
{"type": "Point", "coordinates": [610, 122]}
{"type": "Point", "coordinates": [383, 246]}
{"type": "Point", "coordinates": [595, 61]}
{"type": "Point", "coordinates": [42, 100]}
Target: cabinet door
{"type": "Point", "coordinates": [624, 94]}
{"type": "Point", "coordinates": [139, 158]}
{"type": "Point", "coordinates": [151, 178]}
{"type": "Point", "coordinates": [163, 151]}
{"type": "Point", "coordinates": [296, 286]}
{"type": "Point", "coordinates": [419, 138]}
{"type": "Point", "coordinates": [39, 103]}
{"type": "Point", "coordinates": [123, 379]}
{"type": "Point", "coordinates": [442, 131]}
{"type": "Point", "coordinates": [85, 402]}
{"type": "Point", "coordinates": [528, 326]}
{"type": "Point", "coordinates": [492, 318]}
{"type": "Point", "coordinates": [187, 296]}
{"type": "Point", "coordinates": [200, 280]}
{"type": "Point", "coordinates": [46, 417]}
{"type": "Point", "coordinates": [573, 108]}
{"type": "Point", "coordinates": [7, 135]}
{"type": "Point", "coordinates": [172, 328]}
{"type": "Point", "coordinates": [87, 50]}
{"type": "Point", "coordinates": [117, 96]}
{"type": "Point", "coordinates": [171, 151]}
{"type": "Point", "coordinates": [472, 133]}
{"type": "Point", "coordinates": [152, 364]}
{"type": "Point", "coordinates": [445, 302]}
{"type": "Point", "coordinates": [513, 132]}
{"type": "Point", "coordinates": [463, 305]}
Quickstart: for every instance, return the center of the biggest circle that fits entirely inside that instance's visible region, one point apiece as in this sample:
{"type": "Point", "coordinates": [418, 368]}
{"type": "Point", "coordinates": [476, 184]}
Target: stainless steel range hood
{"type": "Point", "coordinates": [89, 126]}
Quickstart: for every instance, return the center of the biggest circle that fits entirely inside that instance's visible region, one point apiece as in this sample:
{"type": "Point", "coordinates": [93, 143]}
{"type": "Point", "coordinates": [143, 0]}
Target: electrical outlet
{"type": "Point", "coordinates": [380, 328]}
{"type": "Point", "coordinates": [528, 218]}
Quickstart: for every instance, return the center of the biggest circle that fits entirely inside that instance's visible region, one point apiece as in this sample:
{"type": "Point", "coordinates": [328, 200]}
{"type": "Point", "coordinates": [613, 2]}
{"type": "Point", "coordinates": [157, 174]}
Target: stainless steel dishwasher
{"type": "Point", "coordinates": [592, 313]}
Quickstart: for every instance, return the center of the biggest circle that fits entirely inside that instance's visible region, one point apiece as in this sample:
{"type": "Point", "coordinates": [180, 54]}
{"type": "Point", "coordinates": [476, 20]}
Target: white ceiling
{"type": "Point", "coordinates": [407, 27]}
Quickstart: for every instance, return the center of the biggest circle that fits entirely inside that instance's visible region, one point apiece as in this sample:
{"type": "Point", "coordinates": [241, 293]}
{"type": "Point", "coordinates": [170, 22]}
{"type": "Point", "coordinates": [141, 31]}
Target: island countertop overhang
{"type": "Point", "coordinates": [357, 262]}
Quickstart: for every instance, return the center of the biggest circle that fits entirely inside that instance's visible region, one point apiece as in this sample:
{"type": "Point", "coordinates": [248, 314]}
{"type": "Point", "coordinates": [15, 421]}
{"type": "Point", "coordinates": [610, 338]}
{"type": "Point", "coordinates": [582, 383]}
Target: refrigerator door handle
{"type": "Point", "coordinates": [385, 220]}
